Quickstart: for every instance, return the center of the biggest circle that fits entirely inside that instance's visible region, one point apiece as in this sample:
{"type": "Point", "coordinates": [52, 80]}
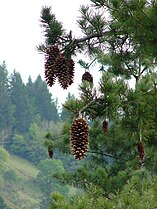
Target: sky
{"type": "Point", "coordinates": [21, 33]}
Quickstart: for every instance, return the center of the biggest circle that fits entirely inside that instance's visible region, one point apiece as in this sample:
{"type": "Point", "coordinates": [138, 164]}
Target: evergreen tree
{"type": "Point", "coordinates": [46, 105]}
{"type": "Point", "coordinates": [20, 100]}
{"type": "Point", "coordinates": [6, 110]}
{"type": "Point", "coordinates": [64, 112]}
{"type": "Point", "coordinates": [30, 92]}
{"type": "Point", "coordinates": [122, 121]}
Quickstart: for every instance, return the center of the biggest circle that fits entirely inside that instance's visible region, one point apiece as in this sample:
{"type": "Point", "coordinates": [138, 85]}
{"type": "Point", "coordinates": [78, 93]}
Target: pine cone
{"type": "Point", "coordinates": [105, 126]}
{"type": "Point", "coordinates": [64, 71]}
{"type": "Point", "coordinates": [140, 148]}
{"type": "Point", "coordinates": [50, 152]}
{"type": "Point", "coordinates": [79, 138]}
{"type": "Point", "coordinates": [87, 77]}
{"type": "Point", "coordinates": [50, 69]}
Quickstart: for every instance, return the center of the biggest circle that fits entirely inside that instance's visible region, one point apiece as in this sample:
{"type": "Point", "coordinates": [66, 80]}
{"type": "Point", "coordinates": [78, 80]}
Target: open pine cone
{"type": "Point", "coordinates": [64, 71]}
{"type": "Point", "coordinates": [50, 69]}
{"type": "Point", "coordinates": [79, 138]}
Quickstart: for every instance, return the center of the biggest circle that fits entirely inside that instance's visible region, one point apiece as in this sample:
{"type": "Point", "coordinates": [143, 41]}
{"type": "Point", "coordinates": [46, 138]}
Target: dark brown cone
{"type": "Point", "coordinates": [105, 126]}
{"type": "Point", "coordinates": [50, 71]}
{"type": "Point", "coordinates": [64, 71]}
{"type": "Point", "coordinates": [79, 138]}
{"type": "Point", "coordinates": [50, 152]}
{"type": "Point", "coordinates": [87, 77]}
{"type": "Point", "coordinates": [140, 148]}
{"type": "Point", "coordinates": [52, 51]}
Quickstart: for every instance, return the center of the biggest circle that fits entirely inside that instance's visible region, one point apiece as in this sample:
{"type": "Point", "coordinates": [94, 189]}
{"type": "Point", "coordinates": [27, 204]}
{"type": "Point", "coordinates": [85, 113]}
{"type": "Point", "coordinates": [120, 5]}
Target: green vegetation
{"type": "Point", "coordinates": [118, 167]}
{"type": "Point", "coordinates": [19, 189]}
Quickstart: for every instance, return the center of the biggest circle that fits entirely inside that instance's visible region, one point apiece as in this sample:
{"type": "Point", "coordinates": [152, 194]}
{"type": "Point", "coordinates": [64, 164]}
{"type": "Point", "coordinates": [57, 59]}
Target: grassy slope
{"type": "Point", "coordinates": [22, 166]}
{"type": "Point", "coordinates": [24, 192]}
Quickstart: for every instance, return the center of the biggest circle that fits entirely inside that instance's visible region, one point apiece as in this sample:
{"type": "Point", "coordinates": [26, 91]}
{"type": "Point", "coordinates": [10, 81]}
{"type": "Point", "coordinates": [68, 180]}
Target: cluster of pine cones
{"type": "Point", "coordinates": [79, 138]}
{"type": "Point", "coordinates": [57, 65]}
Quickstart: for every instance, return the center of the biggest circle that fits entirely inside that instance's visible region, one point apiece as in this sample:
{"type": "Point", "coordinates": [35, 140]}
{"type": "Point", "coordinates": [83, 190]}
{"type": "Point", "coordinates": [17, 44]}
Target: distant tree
{"type": "Point", "coordinates": [46, 105]}
{"type": "Point", "coordinates": [31, 92]}
{"type": "Point", "coordinates": [64, 112]}
{"type": "Point", "coordinates": [7, 109]}
{"type": "Point", "coordinates": [34, 150]}
{"type": "Point", "coordinates": [18, 145]}
{"type": "Point", "coordinates": [20, 100]}
{"type": "Point", "coordinates": [4, 155]}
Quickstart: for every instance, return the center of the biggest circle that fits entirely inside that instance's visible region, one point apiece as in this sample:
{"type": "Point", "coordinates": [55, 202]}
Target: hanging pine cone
{"type": "Point", "coordinates": [50, 69]}
{"type": "Point", "coordinates": [64, 71]}
{"type": "Point", "coordinates": [50, 152]}
{"type": "Point", "coordinates": [79, 138]}
{"type": "Point", "coordinates": [105, 126]}
{"type": "Point", "coordinates": [87, 77]}
{"type": "Point", "coordinates": [140, 148]}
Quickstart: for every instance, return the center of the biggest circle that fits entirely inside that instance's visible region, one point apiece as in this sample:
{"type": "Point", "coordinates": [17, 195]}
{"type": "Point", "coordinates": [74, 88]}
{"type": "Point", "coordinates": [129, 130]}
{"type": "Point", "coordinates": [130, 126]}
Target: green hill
{"type": "Point", "coordinates": [18, 187]}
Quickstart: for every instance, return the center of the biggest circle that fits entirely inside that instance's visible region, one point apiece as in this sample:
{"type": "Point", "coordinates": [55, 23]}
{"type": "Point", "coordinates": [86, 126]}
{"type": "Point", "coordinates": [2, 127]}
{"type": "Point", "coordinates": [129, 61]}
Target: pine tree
{"type": "Point", "coordinates": [64, 112]}
{"type": "Point", "coordinates": [46, 105]}
{"type": "Point", "coordinates": [6, 110]}
{"type": "Point", "coordinates": [121, 36]}
{"type": "Point", "coordinates": [20, 100]}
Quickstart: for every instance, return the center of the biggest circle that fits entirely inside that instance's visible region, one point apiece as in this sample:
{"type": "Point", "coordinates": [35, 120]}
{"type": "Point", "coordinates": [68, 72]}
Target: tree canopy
{"type": "Point", "coordinates": [121, 36]}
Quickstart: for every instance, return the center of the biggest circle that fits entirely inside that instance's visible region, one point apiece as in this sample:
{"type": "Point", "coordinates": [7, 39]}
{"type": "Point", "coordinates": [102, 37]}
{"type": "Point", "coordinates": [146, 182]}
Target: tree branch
{"type": "Point", "coordinates": [88, 37]}
{"type": "Point", "coordinates": [108, 155]}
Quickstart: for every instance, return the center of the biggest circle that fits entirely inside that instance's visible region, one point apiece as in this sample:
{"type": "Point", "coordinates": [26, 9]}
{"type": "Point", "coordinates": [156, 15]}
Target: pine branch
{"type": "Point", "coordinates": [86, 106]}
{"type": "Point", "coordinates": [91, 36]}
{"type": "Point", "coordinates": [108, 155]}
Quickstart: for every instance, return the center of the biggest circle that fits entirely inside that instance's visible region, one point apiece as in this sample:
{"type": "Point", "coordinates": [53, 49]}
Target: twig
{"type": "Point", "coordinates": [108, 155]}
{"type": "Point", "coordinates": [88, 37]}
{"type": "Point", "coordinates": [87, 105]}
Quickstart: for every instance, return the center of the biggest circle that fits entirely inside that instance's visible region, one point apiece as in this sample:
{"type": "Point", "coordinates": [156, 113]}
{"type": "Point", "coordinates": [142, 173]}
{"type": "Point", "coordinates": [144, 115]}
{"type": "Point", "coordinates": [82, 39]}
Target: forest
{"type": "Point", "coordinates": [100, 151]}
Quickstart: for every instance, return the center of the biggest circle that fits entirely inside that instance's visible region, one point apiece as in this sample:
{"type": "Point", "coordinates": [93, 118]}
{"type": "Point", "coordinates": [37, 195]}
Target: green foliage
{"type": "Point", "coordinates": [4, 155]}
{"type": "Point", "coordinates": [18, 142]}
{"type": "Point", "coordinates": [121, 36]}
{"type": "Point", "coordinates": [52, 28]}
{"type": "Point", "coordinates": [2, 204]}
{"type": "Point", "coordinates": [1, 181]}
{"type": "Point", "coordinates": [58, 201]}
{"type": "Point", "coordinates": [19, 188]}
{"type": "Point", "coordinates": [49, 167]}
{"type": "Point", "coordinates": [46, 107]}
{"type": "Point", "coordinates": [138, 188]}
{"type": "Point", "coordinates": [29, 146]}
{"type": "Point", "coordinates": [7, 109]}
{"type": "Point", "coordinates": [20, 100]}
{"type": "Point", "coordinates": [21, 104]}
{"type": "Point", "coordinates": [10, 175]}
{"type": "Point", "coordinates": [65, 114]}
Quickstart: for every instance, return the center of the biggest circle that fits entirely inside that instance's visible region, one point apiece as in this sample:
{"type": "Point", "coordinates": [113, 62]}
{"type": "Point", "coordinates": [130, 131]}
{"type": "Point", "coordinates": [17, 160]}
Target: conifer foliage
{"type": "Point", "coordinates": [58, 51]}
{"type": "Point", "coordinates": [121, 36]}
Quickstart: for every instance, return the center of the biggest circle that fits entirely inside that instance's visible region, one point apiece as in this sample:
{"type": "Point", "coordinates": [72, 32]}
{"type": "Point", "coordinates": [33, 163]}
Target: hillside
{"type": "Point", "coordinates": [19, 188]}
